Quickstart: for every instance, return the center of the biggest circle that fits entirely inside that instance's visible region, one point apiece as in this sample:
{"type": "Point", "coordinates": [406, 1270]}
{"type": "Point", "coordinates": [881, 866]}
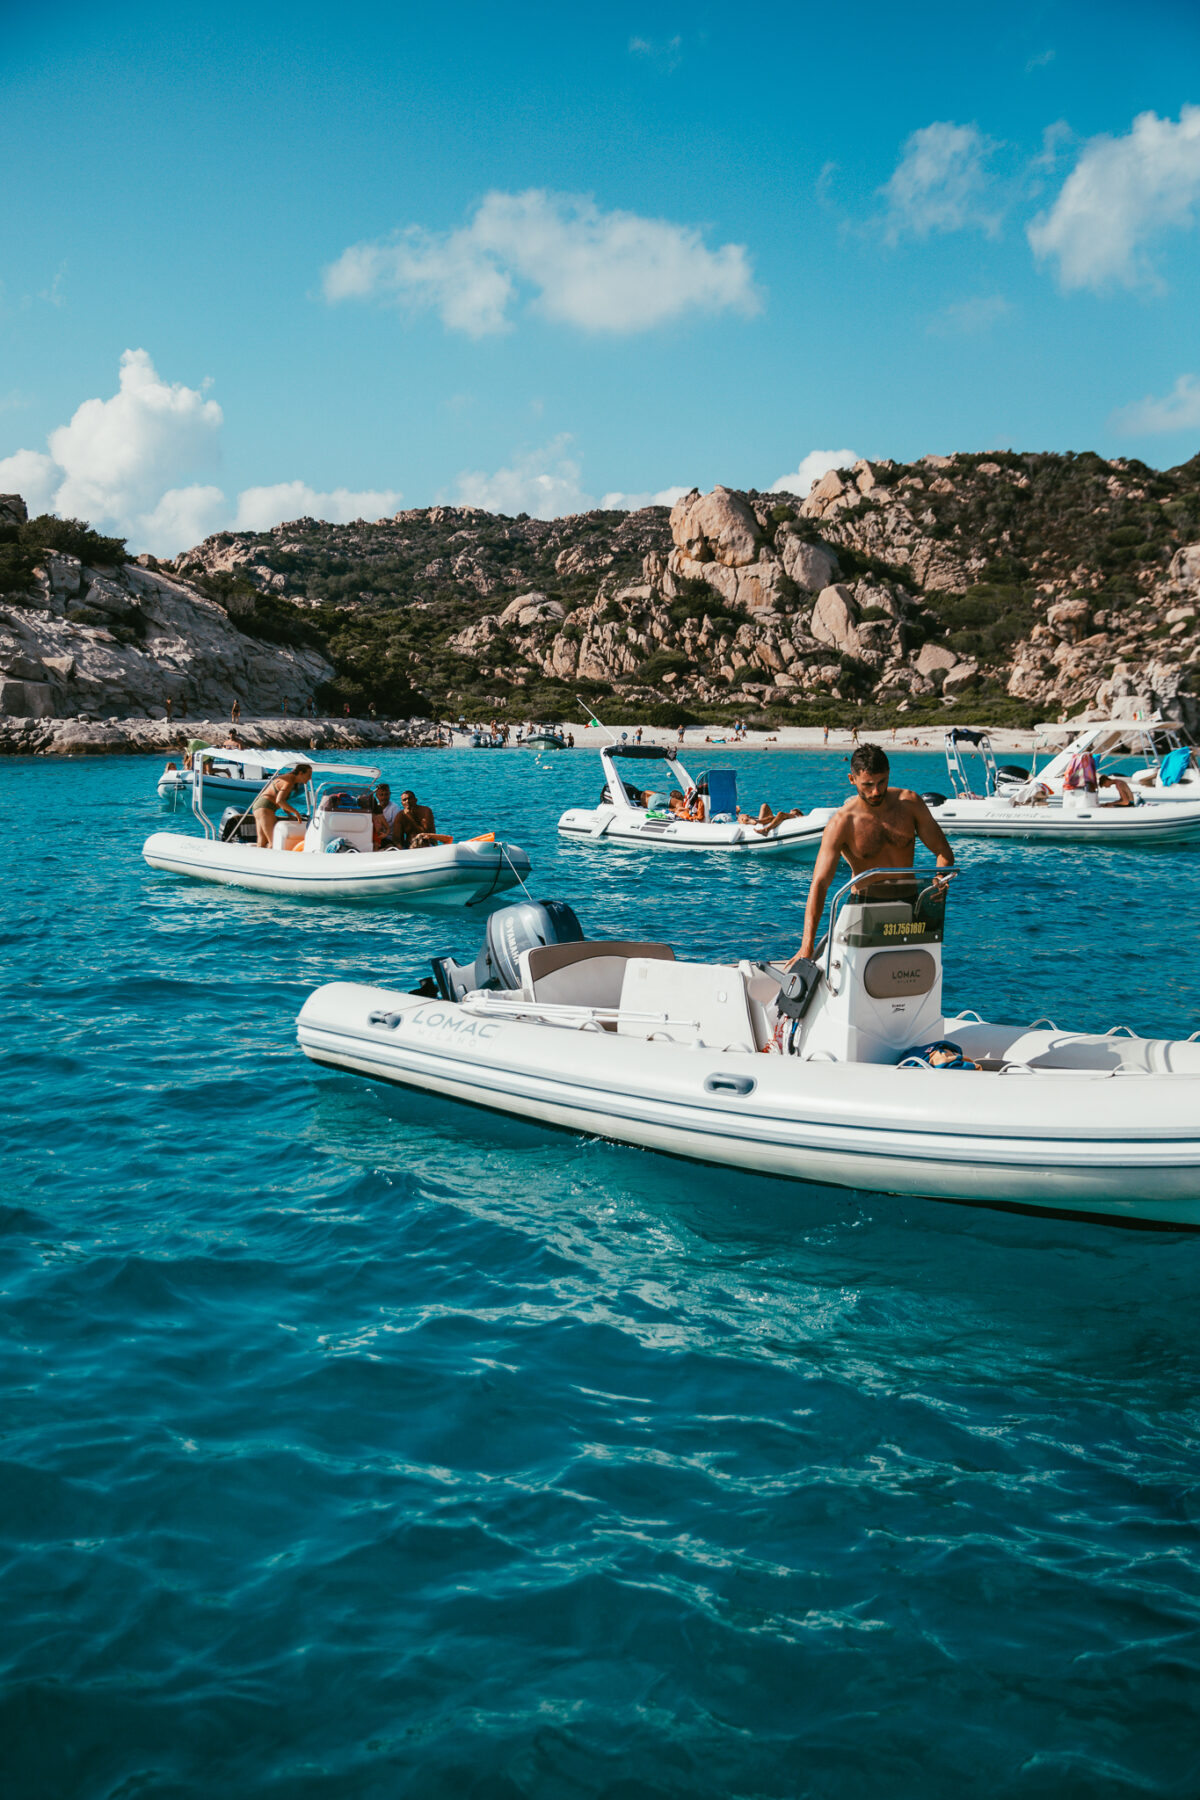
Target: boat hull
{"type": "Point", "coordinates": [604, 825]}
{"type": "Point", "coordinates": [1128, 1151]}
{"type": "Point", "coordinates": [1161, 823]}
{"type": "Point", "coordinates": [174, 787]}
{"type": "Point", "coordinates": [446, 877]}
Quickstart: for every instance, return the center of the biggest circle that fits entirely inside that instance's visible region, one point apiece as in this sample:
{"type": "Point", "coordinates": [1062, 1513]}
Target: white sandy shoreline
{"type": "Point", "coordinates": [1005, 739]}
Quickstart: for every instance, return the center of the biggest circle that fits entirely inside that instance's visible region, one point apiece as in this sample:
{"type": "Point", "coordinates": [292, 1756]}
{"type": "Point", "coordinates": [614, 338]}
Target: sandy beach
{"type": "Point", "coordinates": [1006, 740]}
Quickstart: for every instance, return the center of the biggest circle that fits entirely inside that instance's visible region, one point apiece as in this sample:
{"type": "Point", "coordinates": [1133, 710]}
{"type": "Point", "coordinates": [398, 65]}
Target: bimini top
{"type": "Point", "coordinates": [286, 759]}
{"type": "Point", "coordinates": [643, 752]}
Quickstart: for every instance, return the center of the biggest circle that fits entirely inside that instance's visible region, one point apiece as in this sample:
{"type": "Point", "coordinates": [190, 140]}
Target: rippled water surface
{"type": "Point", "coordinates": [362, 1445]}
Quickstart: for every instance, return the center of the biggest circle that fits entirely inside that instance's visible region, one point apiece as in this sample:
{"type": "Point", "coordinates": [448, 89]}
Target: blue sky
{"type": "Point", "coordinates": [361, 259]}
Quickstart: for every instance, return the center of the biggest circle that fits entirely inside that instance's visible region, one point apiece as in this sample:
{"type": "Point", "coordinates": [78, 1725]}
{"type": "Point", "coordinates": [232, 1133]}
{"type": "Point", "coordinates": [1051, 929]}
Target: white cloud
{"type": "Point", "coordinates": [618, 502]}
{"type": "Point", "coordinates": [34, 476]}
{"type": "Point", "coordinates": [667, 52]}
{"type": "Point", "coordinates": [969, 318]}
{"type": "Point", "coordinates": [1177, 411]}
{"type": "Point", "coordinates": [544, 483]}
{"type": "Point", "coordinates": [600, 271]}
{"type": "Point", "coordinates": [181, 518]}
{"type": "Point", "coordinates": [940, 184]}
{"type": "Point", "coordinates": [812, 467]}
{"type": "Point", "coordinates": [118, 455]}
{"type": "Point", "coordinates": [114, 462]}
{"type": "Point", "coordinates": [259, 508]}
{"type": "Point", "coordinates": [1122, 193]}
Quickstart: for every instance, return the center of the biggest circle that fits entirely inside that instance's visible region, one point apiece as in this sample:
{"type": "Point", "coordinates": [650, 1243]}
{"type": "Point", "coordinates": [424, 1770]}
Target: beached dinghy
{"type": "Point", "coordinates": [331, 854]}
{"type": "Point", "coordinates": [629, 815]}
{"type": "Point", "coordinates": [1030, 812]}
{"type": "Point", "coordinates": [623, 1041]}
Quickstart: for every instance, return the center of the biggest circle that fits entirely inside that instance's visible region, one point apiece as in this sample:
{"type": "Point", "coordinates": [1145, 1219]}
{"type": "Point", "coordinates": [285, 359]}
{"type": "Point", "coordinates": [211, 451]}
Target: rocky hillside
{"type": "Point", "coordinates": [1022, 585]}
{"type": "Point", "coordinates": [91, 640]}
{"type": "Point", "coordinates": [1012, 587]}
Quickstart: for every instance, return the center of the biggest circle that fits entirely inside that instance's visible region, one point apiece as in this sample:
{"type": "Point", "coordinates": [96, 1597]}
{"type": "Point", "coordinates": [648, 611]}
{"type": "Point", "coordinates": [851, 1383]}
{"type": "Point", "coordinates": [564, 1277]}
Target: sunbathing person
{"type": "Point", "coordinates": [767, 820]}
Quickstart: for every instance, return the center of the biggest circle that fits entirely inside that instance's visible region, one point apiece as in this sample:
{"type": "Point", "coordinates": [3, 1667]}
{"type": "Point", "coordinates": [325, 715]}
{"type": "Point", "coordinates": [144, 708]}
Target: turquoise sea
{"type": "Point", "coordinates": [357, 1446]}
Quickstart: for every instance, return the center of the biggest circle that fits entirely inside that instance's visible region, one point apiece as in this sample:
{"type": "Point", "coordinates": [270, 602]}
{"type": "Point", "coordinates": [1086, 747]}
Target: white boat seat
{"type": "Point", "coordinates": [701, 1002]}
{"type": "Point", "coordinates": [588, 974]}
{"type": "Point", "coordinates": [355, 827]}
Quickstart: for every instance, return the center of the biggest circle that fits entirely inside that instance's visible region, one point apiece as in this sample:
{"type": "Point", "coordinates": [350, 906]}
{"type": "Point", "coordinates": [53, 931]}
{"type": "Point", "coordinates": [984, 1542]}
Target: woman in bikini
{"type": "Point", "coordinates": [274, 799]}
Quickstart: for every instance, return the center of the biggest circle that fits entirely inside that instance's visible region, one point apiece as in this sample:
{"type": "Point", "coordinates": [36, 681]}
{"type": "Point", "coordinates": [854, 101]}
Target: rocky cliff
{"type": "Point", "coordinates": [120, 641]}
{"type": "Point", "coordinates": [1018, 585]}
{"type": "Point", "coordinates": [1011, 586]}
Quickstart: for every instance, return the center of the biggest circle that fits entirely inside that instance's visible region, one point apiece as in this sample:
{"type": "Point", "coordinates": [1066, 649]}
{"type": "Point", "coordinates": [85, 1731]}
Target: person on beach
{"type": "Point", "coordinates": [878, 829]}
{"type": "Point", "coordinates": [235, 712]}
{"type": "Point", "coordinates": [275, 798]}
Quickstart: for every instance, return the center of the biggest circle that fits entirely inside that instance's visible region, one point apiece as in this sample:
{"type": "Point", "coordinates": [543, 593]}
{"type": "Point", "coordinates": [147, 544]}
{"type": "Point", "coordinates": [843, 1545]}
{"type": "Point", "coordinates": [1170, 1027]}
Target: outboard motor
{"type": "Point", "coordinates": [510, 930]}
{"type": "Point", "coordinates": [237, 824]}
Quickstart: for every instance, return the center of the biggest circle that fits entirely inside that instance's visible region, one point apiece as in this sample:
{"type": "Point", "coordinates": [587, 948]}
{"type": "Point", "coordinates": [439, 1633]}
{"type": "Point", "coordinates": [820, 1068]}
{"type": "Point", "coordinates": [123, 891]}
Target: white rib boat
{"type": "Point", "coordinates": [621, 817]}
{"type": "Point", "coordinates": [1028, 811]}
{"type": "Point", "coordinates": [230, 775]}
{"type": "Point", "coordinates": [809, 1077]}
{"type": "Point", "coordinates": [331, 854]}
{"type": "Point", "coordinates": [1164, 752]}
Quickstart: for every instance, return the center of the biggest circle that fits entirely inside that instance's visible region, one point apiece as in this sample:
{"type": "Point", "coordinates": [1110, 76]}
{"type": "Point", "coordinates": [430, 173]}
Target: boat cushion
{"type": "Point", "coordinates": [582, 974]}
{"type": "Point", "coordinates": [688, 1002]}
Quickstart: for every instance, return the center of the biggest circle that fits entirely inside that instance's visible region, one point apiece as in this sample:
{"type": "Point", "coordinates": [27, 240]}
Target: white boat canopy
{"type": "Point", "coordinates": [287, 759]}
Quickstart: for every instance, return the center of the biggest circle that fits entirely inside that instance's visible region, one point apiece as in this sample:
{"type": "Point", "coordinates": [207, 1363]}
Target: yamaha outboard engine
{"type": "Point", "coordinates": [238, 823]}
{"type": "Point", "coordinates": [510, 930]}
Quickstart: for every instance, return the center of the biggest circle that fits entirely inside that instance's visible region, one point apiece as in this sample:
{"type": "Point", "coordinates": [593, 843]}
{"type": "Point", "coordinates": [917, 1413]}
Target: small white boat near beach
{"type": "Point", "coordinates": [642, 818]}
{"type": "Point", "coordinates": [844, 1071]}
{"type": "Point", "coordinates": [1027, 810]}
{"type": "Point", "coordinates": [331, 854]}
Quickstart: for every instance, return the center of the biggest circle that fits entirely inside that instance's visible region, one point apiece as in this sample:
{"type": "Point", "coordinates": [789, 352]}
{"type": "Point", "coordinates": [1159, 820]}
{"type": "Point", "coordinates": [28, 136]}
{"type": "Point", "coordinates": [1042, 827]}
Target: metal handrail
{"type": "Point", "coordinates": [873, 875]}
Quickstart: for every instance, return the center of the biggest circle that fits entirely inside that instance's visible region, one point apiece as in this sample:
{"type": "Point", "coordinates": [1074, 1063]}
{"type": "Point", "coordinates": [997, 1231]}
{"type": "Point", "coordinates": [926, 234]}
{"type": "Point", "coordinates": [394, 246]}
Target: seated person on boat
{"type": "Point", "coordinates": [419, 826]}
{"type": "Point", "coordinates": [393, 828]}
{"type": "Point", "coordinates": [1119, 787]}
{"type": "Point", "coordinates": [878, 829]}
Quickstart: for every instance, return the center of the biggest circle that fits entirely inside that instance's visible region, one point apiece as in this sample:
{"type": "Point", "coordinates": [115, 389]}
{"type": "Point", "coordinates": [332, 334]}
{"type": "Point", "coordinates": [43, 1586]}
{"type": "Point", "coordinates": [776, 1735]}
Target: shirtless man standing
{"type": "Point", "coordinates": [878, 829]}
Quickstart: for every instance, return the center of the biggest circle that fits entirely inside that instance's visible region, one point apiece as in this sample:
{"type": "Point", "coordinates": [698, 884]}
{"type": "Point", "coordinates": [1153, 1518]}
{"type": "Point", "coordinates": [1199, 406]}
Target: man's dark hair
{"type": "Point", "coordinates": [869, 759]}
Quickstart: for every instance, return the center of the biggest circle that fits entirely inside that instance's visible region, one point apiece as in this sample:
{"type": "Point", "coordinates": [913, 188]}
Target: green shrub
{"type": "Point", "coordinates": [72, 537]}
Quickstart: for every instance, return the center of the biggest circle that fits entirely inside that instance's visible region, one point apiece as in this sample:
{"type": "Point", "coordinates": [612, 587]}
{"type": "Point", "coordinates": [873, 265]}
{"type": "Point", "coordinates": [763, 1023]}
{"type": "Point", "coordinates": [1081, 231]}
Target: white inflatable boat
{"type": "Point", "coordinates": [229, 774]}
{"type": "Point", "coordinates": [629, 815]}
{"type": "Point", "coordinates": [1163, 753]}
{"type": "Point", "coordinates": [1032, 811]}
{"type": "Point", "coordinates": [331, 854]}
{"type": "Point", "coordinates": [812, 1076]}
